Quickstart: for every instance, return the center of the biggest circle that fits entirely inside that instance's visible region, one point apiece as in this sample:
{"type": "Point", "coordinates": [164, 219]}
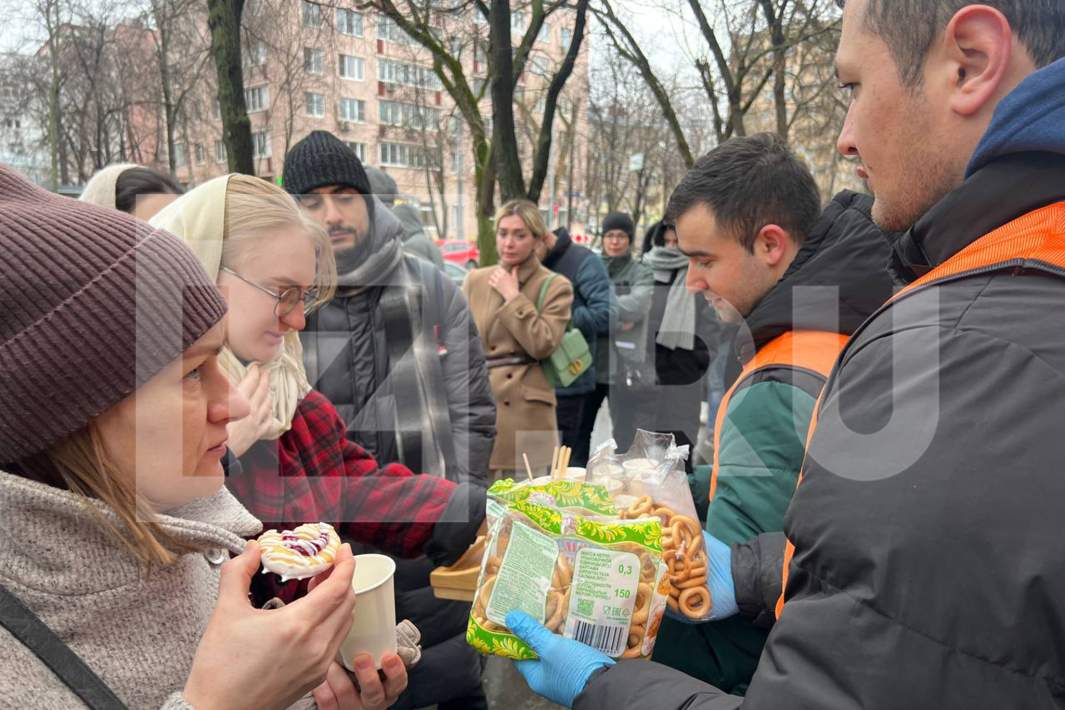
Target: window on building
{"type": "Point", "coordinates": [313, 60]}
{"type": "Point", "coordinates": [314, 104]}
{"type": "Point", "coordinates": [402, 155]}
{"type": "Point", "coordinates": [220, 155]}
{"type": "Point", "coordinates": [351, 67]}
{"type": "Point", "coordinates": [180, 156]}
{"type": "Point", "coordinates": [353, 110]}
{"type": "Point", "coordinates": [349, 22]}
{"type": "Point", "coordinates": [312, 14]}
{"type": "Point", "coordinates": [201, 154]}
{"type": "Point", "coordinates": [257, 98]}
{"type": "Point", "coordinates": [256, 54]}
{"type": "Point", "coordinates": [387, 29]}
{"type": "Point", "coordinates": [541, 65]}
{"type": "Point", "coordinates": [544, 36]}
{"type": "Point", "coordinates": [398, 113]}
{"type": "Point", "coordinates": [517, 22]}
{"type": "Point", "coordinates": [358, 148]}
{"type": "Point", "coordinates": [261, 142]}
{"type": "Point", "coordinates": [392, 72]}
{"type": "Point", "coordinates": [566, 35]}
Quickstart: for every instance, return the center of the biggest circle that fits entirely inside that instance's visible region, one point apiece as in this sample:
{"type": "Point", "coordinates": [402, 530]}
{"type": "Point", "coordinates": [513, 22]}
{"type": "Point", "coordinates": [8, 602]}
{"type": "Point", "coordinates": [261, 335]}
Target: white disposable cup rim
{"type": "Point", "coordinates": [390, 566]}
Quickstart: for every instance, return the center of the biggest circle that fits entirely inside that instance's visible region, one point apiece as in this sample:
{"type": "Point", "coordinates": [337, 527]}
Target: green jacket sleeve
{"type": "Point", "coordinates": [761, 450]}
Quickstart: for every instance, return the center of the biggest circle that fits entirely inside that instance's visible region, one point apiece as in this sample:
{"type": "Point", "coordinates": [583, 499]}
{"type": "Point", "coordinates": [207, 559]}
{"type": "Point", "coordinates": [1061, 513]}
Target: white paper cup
{"type": "Point", "coordinates": [373, 630]}
{"type": "Point", "coordinates": [639, 467]}
{"type": "Point", "coordinates": [575, 473]}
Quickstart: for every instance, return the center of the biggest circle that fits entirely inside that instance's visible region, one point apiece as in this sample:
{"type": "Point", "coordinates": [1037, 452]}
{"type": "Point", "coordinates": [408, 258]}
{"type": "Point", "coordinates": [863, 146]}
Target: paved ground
{"type": "Point", "coordinates": [506, 689]}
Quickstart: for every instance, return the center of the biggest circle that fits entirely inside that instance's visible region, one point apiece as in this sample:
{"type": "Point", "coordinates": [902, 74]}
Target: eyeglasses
{"type": "Point", "coordinates": [287, 300]}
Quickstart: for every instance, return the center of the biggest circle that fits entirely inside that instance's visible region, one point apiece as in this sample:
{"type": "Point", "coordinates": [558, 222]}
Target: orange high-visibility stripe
{"type": "Point", "coordinates": [807, 349]}
{"type": "Point", "coordinates": [1034, 240]}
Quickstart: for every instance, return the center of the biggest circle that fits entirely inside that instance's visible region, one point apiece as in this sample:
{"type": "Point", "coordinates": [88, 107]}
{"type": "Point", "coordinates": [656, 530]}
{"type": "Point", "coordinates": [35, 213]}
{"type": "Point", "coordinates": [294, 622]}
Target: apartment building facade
{"type": "Point", "coordinates": [356, 74]}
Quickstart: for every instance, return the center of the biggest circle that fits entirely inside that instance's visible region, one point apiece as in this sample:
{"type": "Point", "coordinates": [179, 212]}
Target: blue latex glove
{"type": "Point", "coordinates": [564, 666]}
{"type": "Point", "coordinates": [718, 581]}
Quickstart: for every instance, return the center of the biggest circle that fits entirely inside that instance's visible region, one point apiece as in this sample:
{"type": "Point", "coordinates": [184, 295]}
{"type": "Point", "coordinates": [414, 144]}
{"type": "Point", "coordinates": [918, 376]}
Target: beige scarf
{"type": "Point", "coordinates": [198, 218]}
{"type": "Point", "coordinates": [100, 190]}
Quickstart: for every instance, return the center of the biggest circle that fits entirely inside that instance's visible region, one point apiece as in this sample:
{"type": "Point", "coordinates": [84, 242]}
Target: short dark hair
{"type": "Point", "coordinates": [138, 181]}
{"type": "Point", "coordinates": [909, 27]}
{"type": "Point", "coordinates": [748, 183]}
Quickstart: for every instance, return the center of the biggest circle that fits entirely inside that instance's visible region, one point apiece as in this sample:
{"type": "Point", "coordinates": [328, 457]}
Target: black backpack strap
{"type": "Point", "coordinates": [399, 339]}
{"type": "Point", "coordinates": [35, 635]}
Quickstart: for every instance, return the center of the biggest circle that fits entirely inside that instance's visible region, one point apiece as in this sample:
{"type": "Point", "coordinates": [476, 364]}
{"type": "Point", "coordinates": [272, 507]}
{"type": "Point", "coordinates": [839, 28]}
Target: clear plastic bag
{"type": "Point", "coordinates": [559, 552]}
{"type": "Point", "coordinates": [649, 481]}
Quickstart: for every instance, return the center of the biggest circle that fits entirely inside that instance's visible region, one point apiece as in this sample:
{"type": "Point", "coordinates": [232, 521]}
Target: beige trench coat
{"type": "Point", "coordinates": [525, 402]}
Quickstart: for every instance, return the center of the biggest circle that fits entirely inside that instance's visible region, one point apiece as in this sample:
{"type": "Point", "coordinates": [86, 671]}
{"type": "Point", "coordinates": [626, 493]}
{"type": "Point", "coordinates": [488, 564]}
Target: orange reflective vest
{"type": "Point", "coordinates": [1033, 241]}
{"type": "Point", "coordinates": [811, 350]}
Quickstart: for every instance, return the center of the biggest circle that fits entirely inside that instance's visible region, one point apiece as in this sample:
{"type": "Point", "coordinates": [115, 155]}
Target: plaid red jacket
{"type": "Point", "coordinates": [314, 473]}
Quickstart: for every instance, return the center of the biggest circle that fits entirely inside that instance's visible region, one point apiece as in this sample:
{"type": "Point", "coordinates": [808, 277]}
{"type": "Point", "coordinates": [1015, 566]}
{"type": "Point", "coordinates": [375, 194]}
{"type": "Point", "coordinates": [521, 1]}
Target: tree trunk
{"type": "Point", "coordinates": [484, 175]}
{"type": "Point", "coordinates": [53, 99]}
{"type": "Point", "coordinates": [163, 32]}
{"type": "Point", "coordinates": [223, 19]}
{"type": "Point", "coordinates": [775, 20]}
{"type": "Point", "coordinates": [504, 138]}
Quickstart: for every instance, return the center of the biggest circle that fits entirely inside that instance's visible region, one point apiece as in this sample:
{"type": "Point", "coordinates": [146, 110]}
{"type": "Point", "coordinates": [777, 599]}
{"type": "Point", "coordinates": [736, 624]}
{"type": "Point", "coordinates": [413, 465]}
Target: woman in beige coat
{"type": "Point", "coordinates": [517, 336]}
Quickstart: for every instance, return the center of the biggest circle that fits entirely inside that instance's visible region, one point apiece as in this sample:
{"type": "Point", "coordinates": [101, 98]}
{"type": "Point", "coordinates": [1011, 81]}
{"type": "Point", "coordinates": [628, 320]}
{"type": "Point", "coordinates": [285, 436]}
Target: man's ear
{"type": "Point", "coordinates": [772, 245]}
{"type": "Point", "coordinates": [978, 48]}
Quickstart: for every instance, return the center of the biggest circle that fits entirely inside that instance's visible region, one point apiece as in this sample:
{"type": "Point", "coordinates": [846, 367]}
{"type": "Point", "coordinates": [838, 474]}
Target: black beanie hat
{"type": "Point", "coordinates": [323, 159]}
{"type": "Point", "coordinates": [619, 220]}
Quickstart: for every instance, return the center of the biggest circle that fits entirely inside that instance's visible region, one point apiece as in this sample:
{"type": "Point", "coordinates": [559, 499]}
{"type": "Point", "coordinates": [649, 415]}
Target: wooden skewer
{"type": "Point", "coordinates": [563, 465]}
{"type": "Point", "coordinates": [528, 468]}
{"type": "Point", "coordinates": [554, 463]}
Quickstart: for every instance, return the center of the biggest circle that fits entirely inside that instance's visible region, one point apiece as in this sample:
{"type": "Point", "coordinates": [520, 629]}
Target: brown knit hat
{"type": "Point", "coordinates": [93, 303]}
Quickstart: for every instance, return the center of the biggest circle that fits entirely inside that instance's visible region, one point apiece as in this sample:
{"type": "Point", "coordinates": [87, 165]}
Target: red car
{"type": "Point", "coordinates": [458, 251]}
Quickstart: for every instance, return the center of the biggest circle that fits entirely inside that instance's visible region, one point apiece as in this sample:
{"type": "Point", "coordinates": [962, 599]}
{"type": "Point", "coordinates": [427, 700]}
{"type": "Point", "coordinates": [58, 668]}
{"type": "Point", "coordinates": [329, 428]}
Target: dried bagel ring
{"type": "Point", "coordinates": [481, 605]}
{"type": "Point", "coordinates": [680, 568]}
{"type": "Point", "coordinates": [648, 568]}
{"type": "Point", "coordinates": [694, 602]}
{"type": "Point", "coordinates": [682, 523]}
{"type": "Point", "coordinates": [558, 613]}
{"type": "Point", "coordinates": [636, 632]}
{"type": "Point", "coordinates": [642, 506]}
{"type": "Point", "coordinates": [562, 575]}
{"type": "Point", "coordinates": [664, 514]}
{"type": "Point", "coordinates": [643, 604]}
{"type": "Point", "coordinates": [698, 568]}
{"type": "Point", "coordinates": [692, 581]}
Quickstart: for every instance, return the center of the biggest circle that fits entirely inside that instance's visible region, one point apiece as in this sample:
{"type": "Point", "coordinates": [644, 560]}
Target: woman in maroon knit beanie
{"type": "Point", "coordinates": [115, 588]}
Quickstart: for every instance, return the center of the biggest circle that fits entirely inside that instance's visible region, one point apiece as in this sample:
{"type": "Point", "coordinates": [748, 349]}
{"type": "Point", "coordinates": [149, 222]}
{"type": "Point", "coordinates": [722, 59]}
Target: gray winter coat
{"type": "Point", "coordinates": [415, 240]}
{"type": "Point", "coordinates": [346, 351]}
{"type": "Point", "coordinates": [634, 289]}
{"type": "Point", "coordinates": [137, 628]}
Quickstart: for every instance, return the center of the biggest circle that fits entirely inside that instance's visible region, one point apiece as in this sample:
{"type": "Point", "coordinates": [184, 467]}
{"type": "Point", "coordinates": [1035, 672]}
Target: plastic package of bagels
{"type": "Point", "coordinates": [649, 481]}
{"type": "Point", "coordinates": [560, 552]}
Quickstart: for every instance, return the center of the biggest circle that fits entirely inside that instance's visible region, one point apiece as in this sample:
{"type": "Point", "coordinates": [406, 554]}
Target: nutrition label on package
{"type": "Point", "coordinates": [602, 599]}
{"type": "Point", "coordinates": [524, 575]}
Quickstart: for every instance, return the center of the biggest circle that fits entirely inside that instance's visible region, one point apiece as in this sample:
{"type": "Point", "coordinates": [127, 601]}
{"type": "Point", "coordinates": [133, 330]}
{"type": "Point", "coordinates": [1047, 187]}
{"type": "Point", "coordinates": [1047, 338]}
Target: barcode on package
{"type": "Point", "coordinates": [608, 638]}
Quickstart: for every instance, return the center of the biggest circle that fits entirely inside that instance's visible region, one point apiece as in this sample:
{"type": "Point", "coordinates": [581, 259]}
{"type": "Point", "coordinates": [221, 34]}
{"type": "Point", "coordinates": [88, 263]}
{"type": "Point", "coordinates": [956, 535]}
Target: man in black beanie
{"type": "Point", "coordinates": [398, 354]}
